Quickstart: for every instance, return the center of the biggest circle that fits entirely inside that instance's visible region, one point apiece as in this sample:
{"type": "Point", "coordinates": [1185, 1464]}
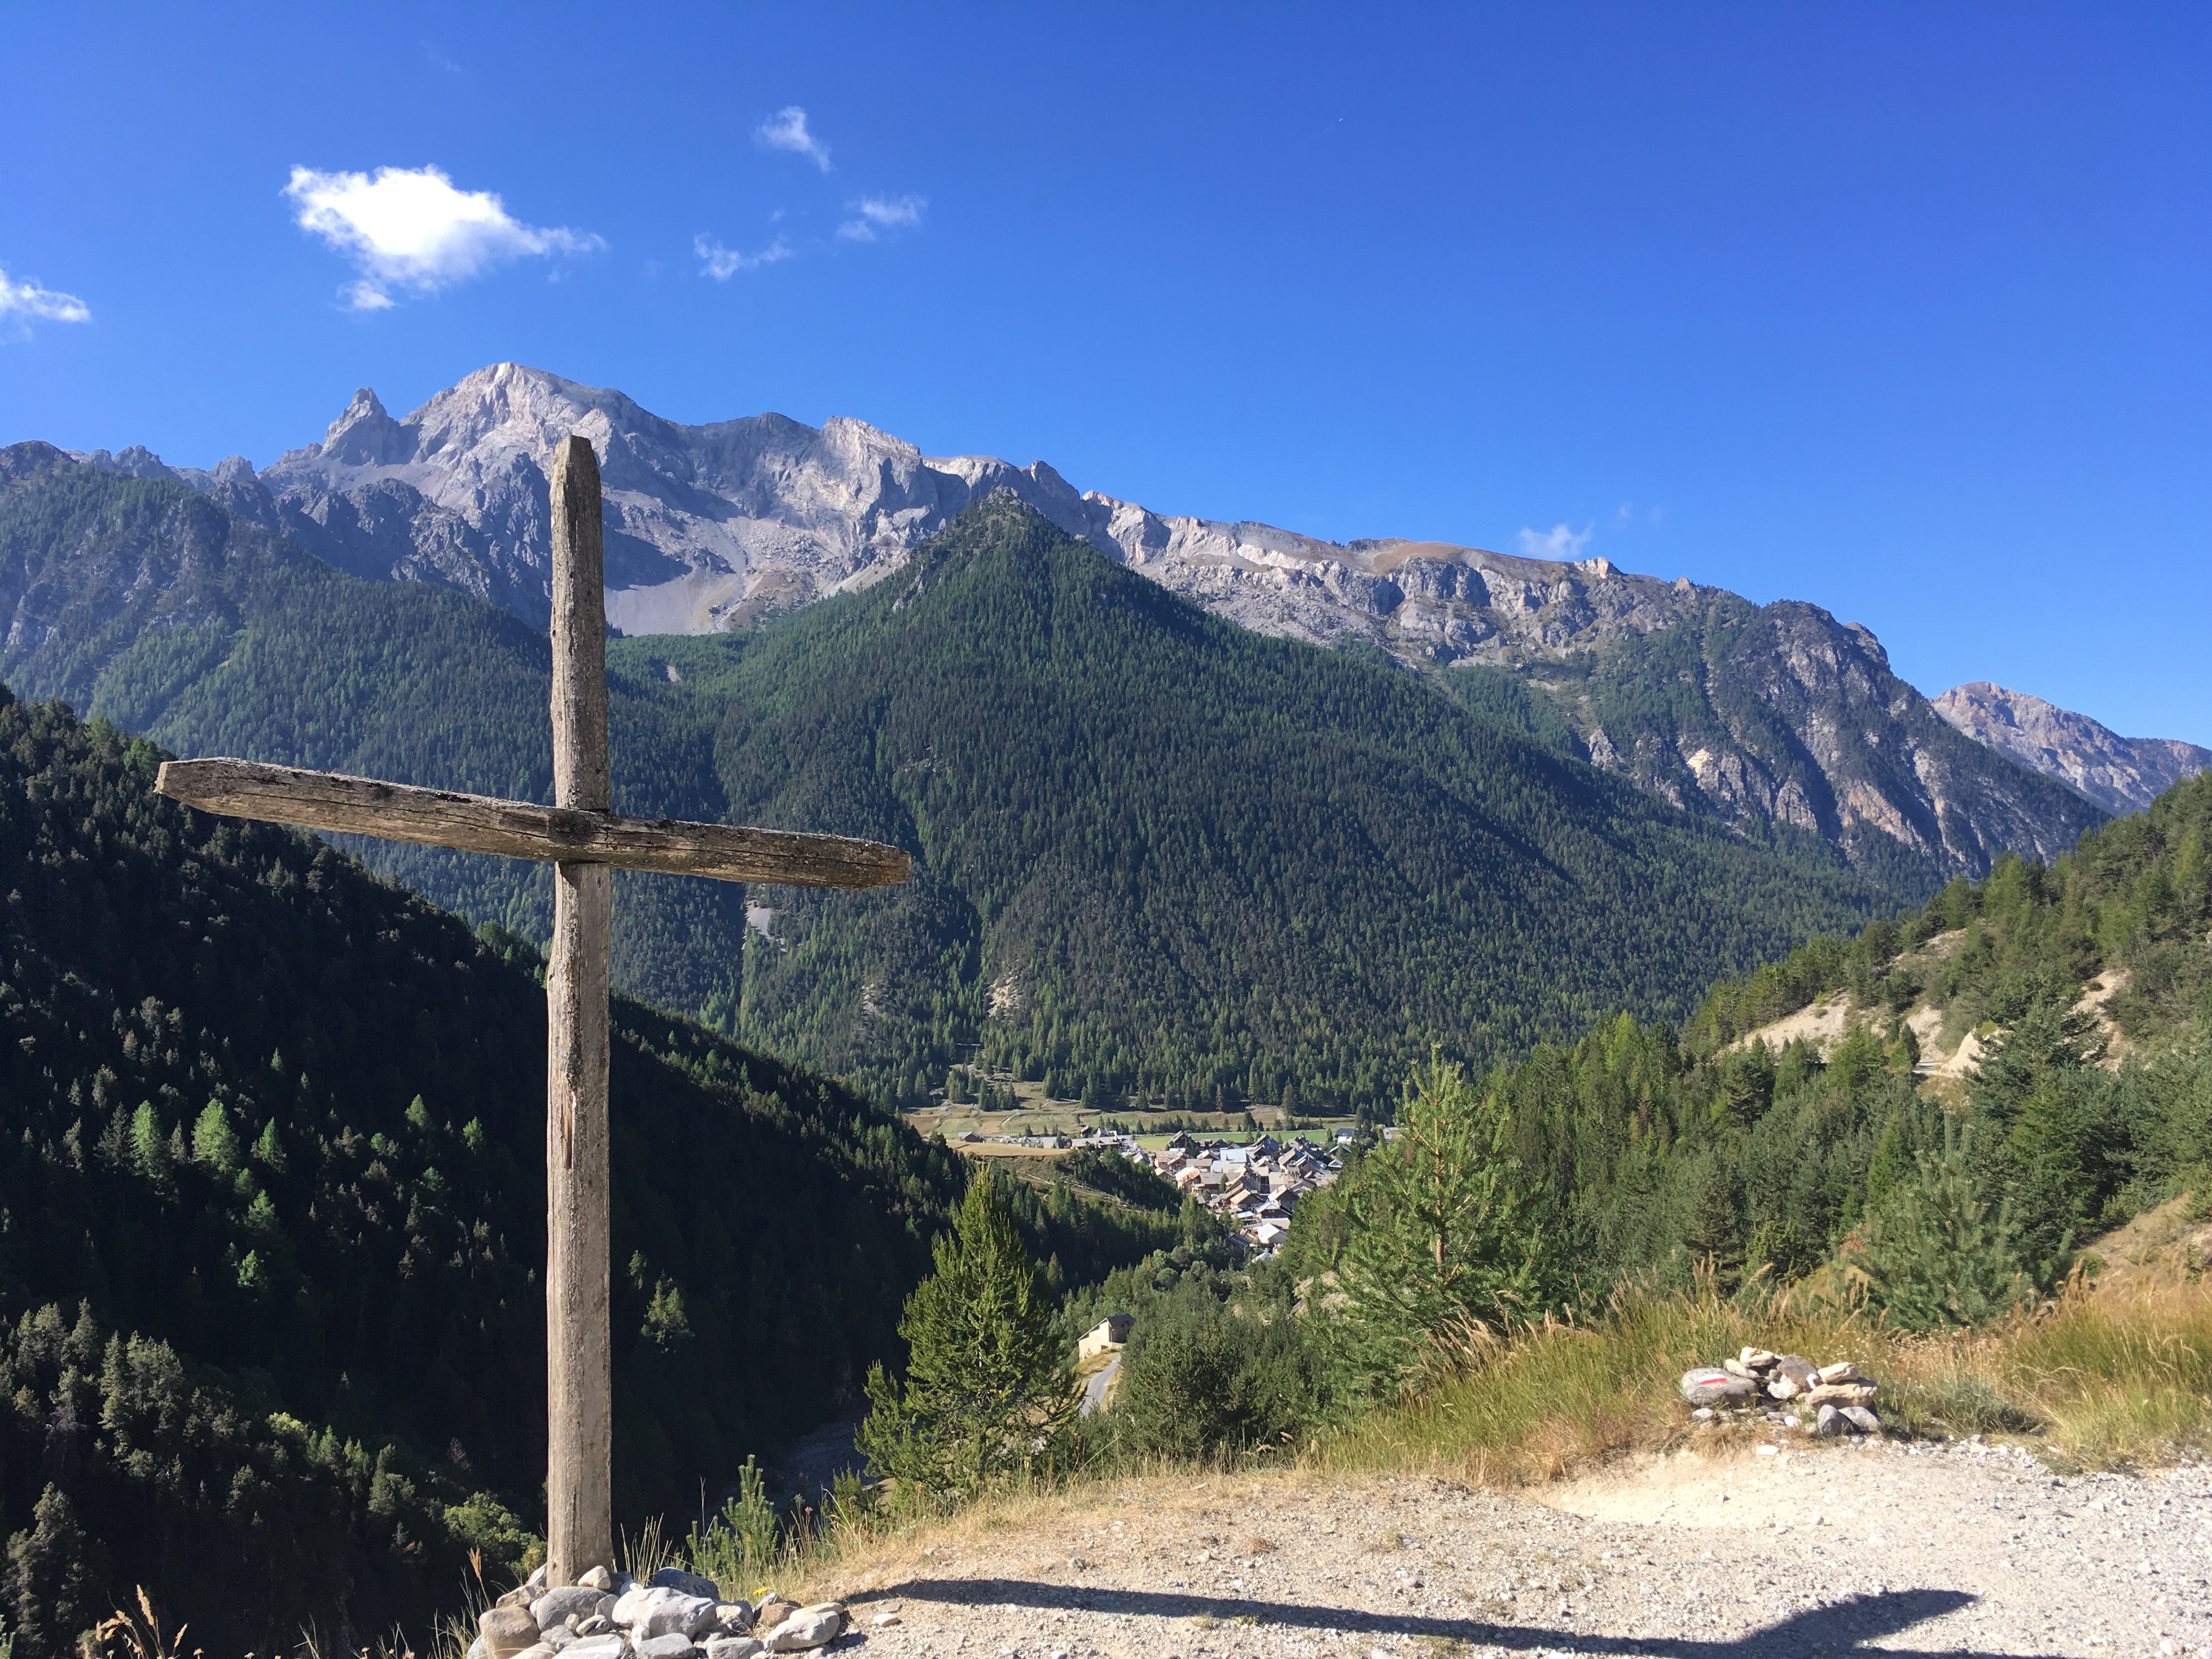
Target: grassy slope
{"type": "Point", "coordinates": [2099, 1381]}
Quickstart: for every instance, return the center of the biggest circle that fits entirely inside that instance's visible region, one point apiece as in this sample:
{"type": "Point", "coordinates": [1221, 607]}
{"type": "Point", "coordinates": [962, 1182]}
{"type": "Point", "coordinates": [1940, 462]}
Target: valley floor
{"type": "Point", "coordinates": [1949, 1549]}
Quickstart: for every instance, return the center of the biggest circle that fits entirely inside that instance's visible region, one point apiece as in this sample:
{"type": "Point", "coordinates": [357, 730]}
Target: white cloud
{"type": "Point", "coordinates": [724, 263]}
{"type": "Point", "coordinates": [881, 213]}
{"type": "Point", "coordinates": [1558, 543]}
{"type": "Point", "coordinates": [21, 302]}
{"type": "Point", "coordinates": [786, 130]}
{"type": "Point", "coordinates": [409, 229]}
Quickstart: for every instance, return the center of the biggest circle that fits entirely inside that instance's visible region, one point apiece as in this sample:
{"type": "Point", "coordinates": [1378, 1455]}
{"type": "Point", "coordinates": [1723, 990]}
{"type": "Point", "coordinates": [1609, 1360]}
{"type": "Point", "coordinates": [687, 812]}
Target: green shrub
{"type": "Point", "coordinates": [987, 1391]}
{"type": "Point", "coordinates": [1934, 1254]}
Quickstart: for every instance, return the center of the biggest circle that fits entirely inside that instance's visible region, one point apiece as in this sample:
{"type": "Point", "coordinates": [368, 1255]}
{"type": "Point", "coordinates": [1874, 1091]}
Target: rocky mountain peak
{"type": "Point", "coordinates": [365, 435]}
{"type": "Point", "coordinates": [135, 462]}
{"type": "Point", "coordinates": [717, 525]}
{"type": "Point", "coordinates": [1866, 642]}
{"type": "Point", "coordinates": [2121, 774]}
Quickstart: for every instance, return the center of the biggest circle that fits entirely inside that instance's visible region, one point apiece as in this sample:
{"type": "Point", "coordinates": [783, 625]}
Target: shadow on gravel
{"type": "Point", "coordinates": [1840, 1627]}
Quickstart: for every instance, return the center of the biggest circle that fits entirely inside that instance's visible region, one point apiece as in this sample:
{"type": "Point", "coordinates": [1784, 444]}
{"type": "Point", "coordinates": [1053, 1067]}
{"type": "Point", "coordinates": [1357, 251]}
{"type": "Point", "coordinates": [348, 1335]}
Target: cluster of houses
{"type": "Point", "coordinates": [1255, 1185]}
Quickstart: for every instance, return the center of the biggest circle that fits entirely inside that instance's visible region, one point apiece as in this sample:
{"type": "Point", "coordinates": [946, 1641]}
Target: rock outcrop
{"type": "Point", "coordinates": [1777, 714]}
{"type": "Point", "coordinates": [2121, 774]}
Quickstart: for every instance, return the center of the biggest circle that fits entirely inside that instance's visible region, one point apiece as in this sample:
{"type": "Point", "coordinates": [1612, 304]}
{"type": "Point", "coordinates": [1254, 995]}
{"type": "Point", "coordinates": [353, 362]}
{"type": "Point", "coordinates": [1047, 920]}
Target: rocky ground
{"type": "Point", "coordinates": [1962, 1548]}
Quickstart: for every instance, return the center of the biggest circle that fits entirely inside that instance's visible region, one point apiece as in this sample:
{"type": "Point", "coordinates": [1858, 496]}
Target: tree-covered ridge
{"type": "Point", "coordinates": [2131, 896]}
{"type": "Point", "coordinates": [1157, 854]}
{"type": "Point", "coordinates": [1654, 1154]}
{"type": "Point", "coordinates": [271, 1219]}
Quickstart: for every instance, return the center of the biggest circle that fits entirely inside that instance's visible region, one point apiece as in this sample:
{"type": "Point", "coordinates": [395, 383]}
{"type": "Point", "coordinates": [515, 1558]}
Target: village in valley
{"type": "Point", "coordinates": [1251, 1177]}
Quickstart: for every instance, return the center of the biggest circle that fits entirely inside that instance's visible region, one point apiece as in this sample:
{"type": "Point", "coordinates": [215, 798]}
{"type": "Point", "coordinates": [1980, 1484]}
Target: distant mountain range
{"type": "Point", "coordinates": [1775, 714]}
{"type": "Point", "coordinates": [2121, 774]}
{"type": "Point", "coordinates": [1153, 850]}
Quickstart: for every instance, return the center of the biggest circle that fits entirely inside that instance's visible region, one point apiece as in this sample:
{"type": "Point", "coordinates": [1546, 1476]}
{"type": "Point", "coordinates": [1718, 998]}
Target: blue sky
{"type": "Point", "coordinates": [1902, 310]}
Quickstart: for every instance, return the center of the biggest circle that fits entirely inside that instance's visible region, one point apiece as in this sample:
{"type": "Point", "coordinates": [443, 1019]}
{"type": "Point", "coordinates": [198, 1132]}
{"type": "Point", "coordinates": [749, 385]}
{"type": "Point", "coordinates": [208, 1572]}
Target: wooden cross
{"type": "Point", "coordinates": [584, 841]}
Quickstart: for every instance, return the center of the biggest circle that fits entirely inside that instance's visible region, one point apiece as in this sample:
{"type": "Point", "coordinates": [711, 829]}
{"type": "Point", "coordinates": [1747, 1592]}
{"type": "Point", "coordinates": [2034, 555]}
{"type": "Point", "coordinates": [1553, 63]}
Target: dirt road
{"type": "Point", "coordinates": [1960, 1549]}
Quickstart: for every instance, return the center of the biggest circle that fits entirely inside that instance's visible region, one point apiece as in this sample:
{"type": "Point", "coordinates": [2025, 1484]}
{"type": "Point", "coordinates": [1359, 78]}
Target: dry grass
{"type": "Point", "coordinates": [2095, 1381]}
{"type": "Point", "coordinates": [2099, 1379]}
{"type": "Point", "coordinates": [2169, 1245]}
{"type": "Point", "coordinates": [853, 1561]}
{"type": "Point", "coordinates": [124, 1634]}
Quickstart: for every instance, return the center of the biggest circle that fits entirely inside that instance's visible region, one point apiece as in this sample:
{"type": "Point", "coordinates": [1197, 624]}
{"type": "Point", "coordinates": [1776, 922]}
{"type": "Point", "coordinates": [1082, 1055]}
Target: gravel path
{"type": "Point", "coordinates": [1958, 1549]}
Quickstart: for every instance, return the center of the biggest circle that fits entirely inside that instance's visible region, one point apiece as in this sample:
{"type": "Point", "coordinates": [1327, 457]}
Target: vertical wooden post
{"type": "Point", "coordinates": [579, 1381]}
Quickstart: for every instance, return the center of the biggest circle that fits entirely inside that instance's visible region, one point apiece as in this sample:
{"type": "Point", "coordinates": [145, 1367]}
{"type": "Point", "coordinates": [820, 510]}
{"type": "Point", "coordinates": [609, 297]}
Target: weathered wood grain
{"type": "Point", "coordinates": [581, 778]}
{"type": "Point", "coordinates": [578, 1352]}
{"type": "Point", "coordinates": [580, 1523]}
{"type": "Point", "coordinates": [584, 841]}
{"type": "Point", "coordinates": [523, 829]}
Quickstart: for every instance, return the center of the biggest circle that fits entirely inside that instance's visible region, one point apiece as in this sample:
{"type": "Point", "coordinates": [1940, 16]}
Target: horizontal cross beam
{"type": "Point", "coordinates": [524, 829]}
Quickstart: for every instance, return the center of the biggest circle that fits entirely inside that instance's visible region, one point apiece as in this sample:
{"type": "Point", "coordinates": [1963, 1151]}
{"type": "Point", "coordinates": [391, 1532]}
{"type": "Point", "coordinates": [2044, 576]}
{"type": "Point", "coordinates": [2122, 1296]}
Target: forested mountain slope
{"type": "Point", "coordinates": [1655, 1153]}
{"type": "Point", "coordinates": [271, 1223]}
{"type": "Point", "coordinates": [1751, 714]}
{"type": "Point", "coordinates": [135, 599]}
{"type": "Point", "coordinates": [1156, 852]}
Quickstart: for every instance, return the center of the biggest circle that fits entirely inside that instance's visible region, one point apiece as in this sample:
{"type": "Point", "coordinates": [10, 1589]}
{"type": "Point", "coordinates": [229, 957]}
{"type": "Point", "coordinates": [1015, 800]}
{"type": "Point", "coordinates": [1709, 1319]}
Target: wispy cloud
{"type": "Point", "coordinates": [410, 230]}
{"type": "Point", "coordinates": [1558, 543]}
{"type": "Point", "coordinates": [23, 303]}
{"type": "Point", "coordinates": [723, 263]}
{"type": "Point", "coordinates": [786, 130]}
{"type": "Point", "coordinates": [882, 212]}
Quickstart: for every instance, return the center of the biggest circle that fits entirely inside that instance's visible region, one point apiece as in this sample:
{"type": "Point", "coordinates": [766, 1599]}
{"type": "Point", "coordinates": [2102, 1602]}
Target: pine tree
{"type": "Point", "coordinates": [150, 1146]}
{"type": "Point", "coordinates": [1714, 1236]}
{"type": "Point", "coordinates": [987, 1391]}
{"type": "Point", "coordinates": [268, 1151]}
{"type": "Point", "coordinates": [48, 1588]}
{"type": "Point", "coordinates": [1935, 1256]}
{"type": "Point", "coordinates": [1441, 1242]}
{"type": "Point", "coordinates": [1747, 1083]}
{"type": "Point", "coordinates": [215, 1144]}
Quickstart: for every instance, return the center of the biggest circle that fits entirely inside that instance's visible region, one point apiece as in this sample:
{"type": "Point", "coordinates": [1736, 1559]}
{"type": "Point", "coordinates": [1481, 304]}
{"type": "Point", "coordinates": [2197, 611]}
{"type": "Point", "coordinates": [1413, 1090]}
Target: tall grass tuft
{"type": "Point", "coordinates": [2100, 1380]}
{"type": "Point", "coordinates": [124, 1634]}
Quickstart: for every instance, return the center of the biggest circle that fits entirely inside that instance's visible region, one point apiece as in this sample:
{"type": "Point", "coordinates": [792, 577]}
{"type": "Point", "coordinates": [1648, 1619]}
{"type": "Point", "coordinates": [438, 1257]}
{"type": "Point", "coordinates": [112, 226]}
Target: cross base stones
{"type": "Point", "coordinates": [673, 1615]}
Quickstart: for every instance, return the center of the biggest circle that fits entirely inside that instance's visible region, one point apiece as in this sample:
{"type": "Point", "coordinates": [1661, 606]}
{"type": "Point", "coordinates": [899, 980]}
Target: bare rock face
{"type": "Point", "coordinates": [713, 526]}
{"type": "Point", "coordinates": [707, 527]}
{"type": "Point", "coordinates": [2121, 774]}
{"type": "Point", "coordinates": [1777, 714]}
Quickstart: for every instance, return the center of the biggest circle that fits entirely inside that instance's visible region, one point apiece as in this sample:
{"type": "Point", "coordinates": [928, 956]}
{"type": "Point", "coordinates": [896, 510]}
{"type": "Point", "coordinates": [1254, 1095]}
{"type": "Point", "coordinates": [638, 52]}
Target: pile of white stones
{"type": "Point", "coordinates": [672, 1615]}
{"type": "Point", "coordinates": [1839, 1398]}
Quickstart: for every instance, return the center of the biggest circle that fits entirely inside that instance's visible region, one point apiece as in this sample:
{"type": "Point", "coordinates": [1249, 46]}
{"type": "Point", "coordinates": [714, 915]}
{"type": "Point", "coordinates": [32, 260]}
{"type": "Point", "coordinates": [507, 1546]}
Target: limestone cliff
{"type": "Point", "coordinates": [1777, 715]}
{"type": "Point", "coordinates": [2121, 774]}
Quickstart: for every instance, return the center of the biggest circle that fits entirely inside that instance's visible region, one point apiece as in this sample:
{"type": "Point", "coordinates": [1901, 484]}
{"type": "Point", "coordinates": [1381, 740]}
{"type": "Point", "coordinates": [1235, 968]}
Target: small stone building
{"type": "Point", "coordinates": [1110, 1332]}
